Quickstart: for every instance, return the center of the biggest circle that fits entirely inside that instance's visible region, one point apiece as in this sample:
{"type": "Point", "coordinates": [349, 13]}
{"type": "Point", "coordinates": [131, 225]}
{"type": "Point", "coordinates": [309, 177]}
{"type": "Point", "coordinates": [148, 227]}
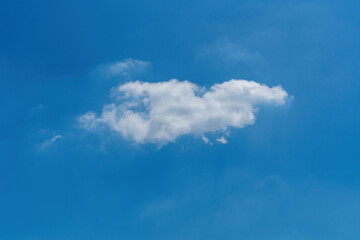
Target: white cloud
{"type": "Point", "coordinates": [222, 140]}
{"type": "Point", "coordinates": [51, 141]}
{"type": "Point", "coordinates": [161, 112]}
{"type": "Point", "coordinates": [205, 139]}
{"type": "Point", "coordinates": [125, 67]}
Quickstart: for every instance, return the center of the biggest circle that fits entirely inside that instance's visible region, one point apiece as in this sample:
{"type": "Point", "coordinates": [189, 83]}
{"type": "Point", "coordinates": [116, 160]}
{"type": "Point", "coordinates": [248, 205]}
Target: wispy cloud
{"type": "Point", "coordinates": [125, 67]}
{"type": "Point", "coordinates": [161, 112]}
{"type": "Point", "coordinates": [51, 141]}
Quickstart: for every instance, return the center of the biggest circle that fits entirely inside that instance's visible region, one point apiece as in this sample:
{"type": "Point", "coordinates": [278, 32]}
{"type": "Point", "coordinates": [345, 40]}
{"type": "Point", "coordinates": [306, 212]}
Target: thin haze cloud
{"type": "Point", "coordinates": [229, 52]}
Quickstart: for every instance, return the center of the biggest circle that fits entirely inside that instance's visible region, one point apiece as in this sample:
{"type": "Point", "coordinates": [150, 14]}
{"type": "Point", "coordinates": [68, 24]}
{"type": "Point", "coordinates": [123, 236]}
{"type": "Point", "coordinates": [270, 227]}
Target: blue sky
{"type": "Point", "coordinates": [290, 173]}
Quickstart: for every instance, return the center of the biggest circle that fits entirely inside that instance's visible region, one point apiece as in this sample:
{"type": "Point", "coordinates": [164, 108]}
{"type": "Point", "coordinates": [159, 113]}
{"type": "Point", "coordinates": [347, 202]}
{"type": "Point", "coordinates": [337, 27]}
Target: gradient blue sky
{"type": "Point", "coordinates": [293, 175]}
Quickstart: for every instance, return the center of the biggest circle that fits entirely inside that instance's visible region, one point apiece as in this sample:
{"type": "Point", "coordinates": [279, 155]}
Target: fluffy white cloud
{"type": "Point", "coordinates": [160, 112]}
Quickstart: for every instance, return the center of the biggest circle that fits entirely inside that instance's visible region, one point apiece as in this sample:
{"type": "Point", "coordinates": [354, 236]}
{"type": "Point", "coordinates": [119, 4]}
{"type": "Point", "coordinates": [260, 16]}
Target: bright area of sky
{"type": "Point", "coordinates": [88, 152]}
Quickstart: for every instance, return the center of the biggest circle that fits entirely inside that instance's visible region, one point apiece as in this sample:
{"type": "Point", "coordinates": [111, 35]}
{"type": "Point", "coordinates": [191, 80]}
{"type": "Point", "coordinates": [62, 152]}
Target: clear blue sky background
{"type": "Point", "coordinates": [292, 175]}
